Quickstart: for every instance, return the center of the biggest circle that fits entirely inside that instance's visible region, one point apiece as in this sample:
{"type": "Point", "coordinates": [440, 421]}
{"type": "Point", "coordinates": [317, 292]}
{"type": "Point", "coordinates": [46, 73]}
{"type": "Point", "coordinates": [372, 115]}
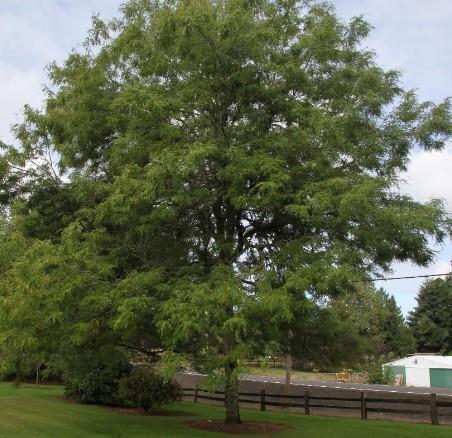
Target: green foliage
{"type": "Point", "coordinates": [94, 378]}
{"type": "Point", "coordinates": [380, 375]}
{"type": "Point", "coordinates": [29, 316]}
{"type": "Point", "coordinates": [398, 340]}
{"type": "Point", "coordinates": [145, 388]}
{"type": "Point", "coordinates": [430, 321]}
{"type": "Point", "coordinates": [326, 341]}
{"type": "Point", "coordinates": [170, 363]}
{"type": "Point", "coordinates": [378, 320]}
{"type": "Point", "coordinates": [222, 160]}
{"type": "Point", "coordinates": [343, 332]}
{"type": "Point", "coordinates": [317, 336]}
{"type": "Point", "coordinates": [93, 388]}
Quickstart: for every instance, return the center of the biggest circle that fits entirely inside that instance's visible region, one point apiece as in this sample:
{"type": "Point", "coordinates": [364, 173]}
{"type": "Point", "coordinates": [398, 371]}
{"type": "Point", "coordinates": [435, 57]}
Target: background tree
{"type": "Point", "coordinates": [398, 340]}
{"type": "Point", "coordinates": [430, 321]}
{"type": "Point", "coordinates": [318, 336]}
{"type": "Point", "coordinates": [378, 321]}
{"type": "Point", "coordinates": [223, 157]}
{"type": "Point", "coordinates": [324, 341]}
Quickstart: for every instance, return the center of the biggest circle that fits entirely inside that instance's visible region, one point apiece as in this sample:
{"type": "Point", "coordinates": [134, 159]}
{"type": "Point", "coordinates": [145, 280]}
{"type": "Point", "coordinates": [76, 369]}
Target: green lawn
{"type": "Point", "coordinates": [298, 375]}
{"type": "Point", "coordinates": [39, 412]}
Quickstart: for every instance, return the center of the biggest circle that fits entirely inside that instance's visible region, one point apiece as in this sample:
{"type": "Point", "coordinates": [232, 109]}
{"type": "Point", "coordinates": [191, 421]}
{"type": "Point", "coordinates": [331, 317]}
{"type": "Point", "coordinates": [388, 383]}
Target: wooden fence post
{"type": "Point", "coordinates": [433, 409]}
{"type": "Point", "coordinates": [363, 406]}
{"type": "Point", "coordinates": [195, 395]}
{"type": "Point", "coordinates": [262, 399]}
{"type": "Point", "coordinates": [306, 402]}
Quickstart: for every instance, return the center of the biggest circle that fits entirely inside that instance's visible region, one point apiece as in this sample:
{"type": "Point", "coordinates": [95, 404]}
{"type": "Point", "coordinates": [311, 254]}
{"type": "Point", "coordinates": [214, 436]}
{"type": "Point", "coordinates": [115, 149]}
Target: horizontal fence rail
{"type": "Point", "coordinates": [363, 403]}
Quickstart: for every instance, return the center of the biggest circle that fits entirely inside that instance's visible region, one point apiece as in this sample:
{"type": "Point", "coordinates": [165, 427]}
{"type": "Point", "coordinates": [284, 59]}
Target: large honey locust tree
{"type": "Point", "coordinates": [223, 161]}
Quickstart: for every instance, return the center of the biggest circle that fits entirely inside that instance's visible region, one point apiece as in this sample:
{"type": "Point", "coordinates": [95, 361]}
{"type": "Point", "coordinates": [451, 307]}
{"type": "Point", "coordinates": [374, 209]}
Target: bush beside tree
{"type": "Point", "coordinates": [145, 388]}
{"type": "Point", "coordinates": [93, 376]}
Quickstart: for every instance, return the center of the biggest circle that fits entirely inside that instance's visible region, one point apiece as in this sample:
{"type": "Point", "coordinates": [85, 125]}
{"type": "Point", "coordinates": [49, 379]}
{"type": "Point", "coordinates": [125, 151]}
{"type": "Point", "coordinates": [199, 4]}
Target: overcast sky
{"type": "Point", "coordinates": [413, 36]}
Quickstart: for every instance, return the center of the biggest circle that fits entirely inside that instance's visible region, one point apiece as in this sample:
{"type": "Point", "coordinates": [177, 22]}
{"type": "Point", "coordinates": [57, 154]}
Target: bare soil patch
{"type": "Point", "coordinates": [151, 412]}
{"type": "Point", "coordinates": [246, 427]}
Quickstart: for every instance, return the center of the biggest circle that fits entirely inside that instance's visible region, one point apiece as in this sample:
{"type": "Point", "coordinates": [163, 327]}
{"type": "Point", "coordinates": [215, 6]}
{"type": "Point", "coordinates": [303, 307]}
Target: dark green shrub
{"type": "Point", "coordinates": [380, 375]}
{"type": "Point", "coordinates": [95, 387]}
{"type": "Point", "coordinates": [143, 387]}
{"type": "Point", "coordinates": [94, 378]}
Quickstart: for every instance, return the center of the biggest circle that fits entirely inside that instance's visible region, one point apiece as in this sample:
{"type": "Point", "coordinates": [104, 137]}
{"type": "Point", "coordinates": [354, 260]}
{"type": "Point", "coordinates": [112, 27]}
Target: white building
{"type": "Point", "coordinates": [423, 370]}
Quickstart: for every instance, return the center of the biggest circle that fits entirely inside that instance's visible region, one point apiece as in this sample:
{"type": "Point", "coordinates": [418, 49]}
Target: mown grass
{"type": "Point", "coordinates": [296, 375]}
{"type": "Point", "coordinates": [40, 412]}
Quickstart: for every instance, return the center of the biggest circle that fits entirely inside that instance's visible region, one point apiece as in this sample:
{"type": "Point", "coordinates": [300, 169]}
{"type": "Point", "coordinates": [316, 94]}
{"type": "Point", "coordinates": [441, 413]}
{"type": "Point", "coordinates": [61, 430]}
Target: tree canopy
{"type": "Point", "coordinates": [378, 320]}
{"type": "Point", "coordinates": [431, 321]}
{"type": "Point", "coordinates": [210, 161]}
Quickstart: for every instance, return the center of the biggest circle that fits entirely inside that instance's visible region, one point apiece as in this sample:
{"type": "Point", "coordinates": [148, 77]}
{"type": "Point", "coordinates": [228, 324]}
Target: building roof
{"type": "Point", "coordinates": [423, 361]}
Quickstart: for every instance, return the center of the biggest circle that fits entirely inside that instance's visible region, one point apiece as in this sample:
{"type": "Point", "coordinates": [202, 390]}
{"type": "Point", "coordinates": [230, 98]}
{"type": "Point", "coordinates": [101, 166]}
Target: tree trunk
{"type": "Point", "coordinates": [288, 360]}
{"type": "Point", "coordinates": [288, 365]}
{"type": "Point", "coordinates": [38, 369]}
{"type": "Point", "coordinates": [231, 393]}
{"type": "Point", "coordinates": [231, 385]}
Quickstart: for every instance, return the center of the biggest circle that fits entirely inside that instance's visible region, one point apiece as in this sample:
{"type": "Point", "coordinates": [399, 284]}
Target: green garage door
{"type": "Point", "coordinates": [440, 378]}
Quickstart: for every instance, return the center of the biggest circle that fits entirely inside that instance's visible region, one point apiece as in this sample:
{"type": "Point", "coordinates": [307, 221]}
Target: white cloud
{"type": "Point", "coordinates": [34, 33]}
{"type": "Point", "coordinates": [17, 89]}
{"type": "Point", "coordinates": [429, 176]}
{"type": "Point", "coordinates": [411, 36]}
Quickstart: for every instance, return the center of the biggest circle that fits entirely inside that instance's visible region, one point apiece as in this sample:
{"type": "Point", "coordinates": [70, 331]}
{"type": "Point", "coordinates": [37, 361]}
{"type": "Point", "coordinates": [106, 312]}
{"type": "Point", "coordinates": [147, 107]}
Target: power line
{"type": "Point", "coordinates": [401, 278]}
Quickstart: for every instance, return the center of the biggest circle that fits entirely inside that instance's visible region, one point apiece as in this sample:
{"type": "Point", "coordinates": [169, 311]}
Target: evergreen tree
{"type": "Point", "coordinates": [397, 338]}
{"type": "Point", "coordinates": [378, 320]}
{"type": "Point", "coordinates": [430, 321]}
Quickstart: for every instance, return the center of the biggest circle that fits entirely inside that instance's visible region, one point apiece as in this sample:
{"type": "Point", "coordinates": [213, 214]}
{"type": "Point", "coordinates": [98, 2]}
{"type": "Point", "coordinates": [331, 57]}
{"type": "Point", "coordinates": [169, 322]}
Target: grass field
{"type": "Point", "coordinates": [40, 412]}
{"type": "Point", "coordinates": [298, 375]}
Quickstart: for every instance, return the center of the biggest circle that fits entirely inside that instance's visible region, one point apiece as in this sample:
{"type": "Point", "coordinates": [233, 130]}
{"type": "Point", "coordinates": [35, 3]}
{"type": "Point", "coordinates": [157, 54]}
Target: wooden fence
{"type": "Point", "coordinates": [363, 403]}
